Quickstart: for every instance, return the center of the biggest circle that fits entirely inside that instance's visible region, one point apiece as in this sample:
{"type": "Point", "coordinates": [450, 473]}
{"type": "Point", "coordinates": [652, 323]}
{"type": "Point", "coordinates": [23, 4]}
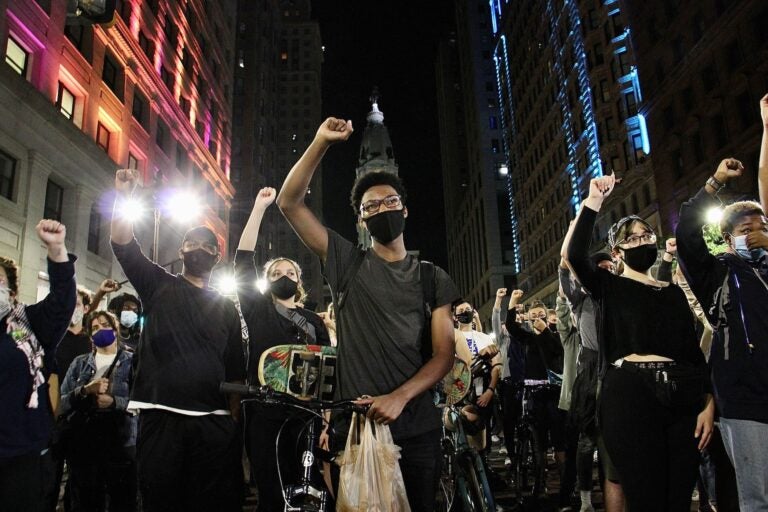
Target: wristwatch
{"type": "Point", "coordinates": [715, 184]}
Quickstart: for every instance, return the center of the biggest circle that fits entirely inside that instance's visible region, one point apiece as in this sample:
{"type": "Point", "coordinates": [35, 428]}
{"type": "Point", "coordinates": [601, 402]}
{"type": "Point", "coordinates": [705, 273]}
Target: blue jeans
{"type": "Point", "coordinates": [745, 443]}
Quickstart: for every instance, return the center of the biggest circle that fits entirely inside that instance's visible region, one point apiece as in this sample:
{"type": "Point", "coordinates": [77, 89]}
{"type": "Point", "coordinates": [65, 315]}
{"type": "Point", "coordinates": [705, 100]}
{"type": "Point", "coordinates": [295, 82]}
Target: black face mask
{"type": "Point", "coordinates": [641, 258]}
{"type": "Point", "coordinates": [386, 226]}
{"type": "Point", "coordinates": [464, 317]}
{"type": "Point", "coordinates": [283, 288]}
{"type": "Point", "coordinates": [552, 327]}
{"type": "Point", "coordinates": [198, 262]}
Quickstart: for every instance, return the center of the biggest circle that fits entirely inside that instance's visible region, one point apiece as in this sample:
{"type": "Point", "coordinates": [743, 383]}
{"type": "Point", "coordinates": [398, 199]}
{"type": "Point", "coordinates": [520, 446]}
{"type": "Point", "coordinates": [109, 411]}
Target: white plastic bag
{"type": "Point", "coordinates": [370, 478]}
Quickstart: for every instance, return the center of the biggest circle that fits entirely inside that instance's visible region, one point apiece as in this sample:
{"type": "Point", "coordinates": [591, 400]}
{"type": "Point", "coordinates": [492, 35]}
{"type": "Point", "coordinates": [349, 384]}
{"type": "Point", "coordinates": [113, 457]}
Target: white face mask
{"type": "Point", "coordinates": [740, 246]}
{"type": "Point", "coordinates": [128, 318]}
{"type": "Point", "coordinates": [5, 301]}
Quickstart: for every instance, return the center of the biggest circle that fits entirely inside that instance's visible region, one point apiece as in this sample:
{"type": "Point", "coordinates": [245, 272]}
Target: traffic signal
{"type": "Point", "coordinates": [90, 12]}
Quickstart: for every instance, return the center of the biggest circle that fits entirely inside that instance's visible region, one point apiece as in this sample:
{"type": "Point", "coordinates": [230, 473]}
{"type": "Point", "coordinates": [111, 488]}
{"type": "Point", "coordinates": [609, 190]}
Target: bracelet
{"type": "Point", "coordinates": [670, 253]}
{"type": "Point", "coordinates": [715, 184]}
{"type": "Point", "coordinates": [493, 389]}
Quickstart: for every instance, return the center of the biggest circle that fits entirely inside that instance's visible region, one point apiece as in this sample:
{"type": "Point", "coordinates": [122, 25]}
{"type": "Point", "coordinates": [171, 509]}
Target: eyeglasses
{"type": "Point", "coordinates": [637, 240]}
{"type": "Point", "coordinates": [374, 205]}
{"type": "Point", "coordinates": [195, 244]}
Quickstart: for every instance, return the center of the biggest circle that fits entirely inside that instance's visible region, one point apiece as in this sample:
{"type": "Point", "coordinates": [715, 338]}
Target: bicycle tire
{"type": "Point", "coordinates": [477, 496]}
{"type": "Point", "coordinates": [525, 462]}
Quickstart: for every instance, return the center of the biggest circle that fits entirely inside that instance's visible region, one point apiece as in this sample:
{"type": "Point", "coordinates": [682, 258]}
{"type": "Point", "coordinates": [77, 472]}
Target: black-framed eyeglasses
{"type": "Point", "coordinates": [372, 206]}
{"type": "Point", "coordinates": [638, 240]}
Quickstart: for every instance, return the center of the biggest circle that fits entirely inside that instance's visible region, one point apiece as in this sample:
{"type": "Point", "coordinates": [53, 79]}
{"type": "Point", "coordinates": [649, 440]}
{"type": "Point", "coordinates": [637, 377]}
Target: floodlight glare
{"type": "Point", "coordinates": [262, 285]}
{"type": "Point", "coordinates": [131, 209]}
{"type": "Point", "coordinates": [503, 170]}
{"type": "Point", "coordinates": [714, 215]}
{"type": "Point", "coordinates": [183, 206]}
{"type": "Point", "coordinates": [227, 285]}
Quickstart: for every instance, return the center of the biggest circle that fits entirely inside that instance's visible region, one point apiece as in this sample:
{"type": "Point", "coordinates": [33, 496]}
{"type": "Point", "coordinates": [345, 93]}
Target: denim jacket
{"type": "Point", "coordinates": [81, 372]}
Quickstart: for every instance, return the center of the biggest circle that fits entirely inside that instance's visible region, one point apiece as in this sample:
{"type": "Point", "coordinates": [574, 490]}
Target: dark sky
{"type": "Point", "coordinates": [392, 45]}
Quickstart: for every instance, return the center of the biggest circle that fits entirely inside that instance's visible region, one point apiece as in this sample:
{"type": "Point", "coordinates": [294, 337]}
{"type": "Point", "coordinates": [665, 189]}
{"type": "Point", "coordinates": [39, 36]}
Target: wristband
{"type": "Point", "coordinates": [670, 253]}
{"type": "Point", "coordinates": [715, 184]}
{"type": "Point", "coordinates": [493, 389]}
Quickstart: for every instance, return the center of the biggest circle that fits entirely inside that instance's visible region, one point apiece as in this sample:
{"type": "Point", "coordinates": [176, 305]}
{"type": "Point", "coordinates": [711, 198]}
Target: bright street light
{"type": "Point", "coordinates": [714, 215]}
{"type": "Point", "coordinates": [131, 209]}
{"type": "Point", "coordinates": [183, 206]}
{"type": "Point", "coordinates": [227, 285]}
{"type": "Point", "coordinates": [262, 285]}
{"type": "Point", "coordinates": [503, 170]}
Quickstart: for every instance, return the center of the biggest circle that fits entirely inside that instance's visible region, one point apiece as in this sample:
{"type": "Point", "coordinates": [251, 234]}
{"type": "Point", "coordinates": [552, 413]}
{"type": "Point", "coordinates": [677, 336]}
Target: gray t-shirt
{"type": "Point", "coordinates": [584, 307]}
{"type": "Point", "coordinates": [379, 328]}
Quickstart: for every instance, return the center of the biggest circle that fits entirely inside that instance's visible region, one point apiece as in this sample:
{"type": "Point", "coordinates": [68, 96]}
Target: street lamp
{"type": "Point", "coordinates": [503, 170]}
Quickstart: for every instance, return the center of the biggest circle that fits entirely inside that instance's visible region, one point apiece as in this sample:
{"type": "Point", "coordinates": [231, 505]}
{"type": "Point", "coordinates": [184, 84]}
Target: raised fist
{"type": "Point", "coordinates": [109, 286]}
{"type": "Point", "coordinates": [334, 130]}
{"type": "Point", "coordinates": [600, 188]}
{"type": "Point", "coordinates": [501, 292]}
{"type": "Point", "coordinates": [51, 232]}
{"type": "Point", "coordinates": [516, 296]}
{"type": "Point", "coordinates": [671, 246]}
{"type": "Point", "coordinates": [126, 180]}
{"type": "Point", "coordinates": [265, 197]}
{"type": "Point", "coordinates": [728, 169]}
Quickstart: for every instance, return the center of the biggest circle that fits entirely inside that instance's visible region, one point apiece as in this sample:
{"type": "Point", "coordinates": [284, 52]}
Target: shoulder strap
{"type": "Point", "coordinates": [341, 293]}
{"type": "Point", "coordinates": [427, 278]}
{"type": "Point", "coordinates": [108, 373]}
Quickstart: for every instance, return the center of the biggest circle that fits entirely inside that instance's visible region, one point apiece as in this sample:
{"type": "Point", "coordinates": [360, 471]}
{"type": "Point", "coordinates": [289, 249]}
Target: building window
{"type": "Point", "coordinates": [111, 74]}
{"type": "Point", "coordinates": [181, 158]}
{"type": "Point", "coordinates": [7, 175]}
{"type": "Point", "coordinates": [102, 137]}
{"type": "Point", "coordinates": [161, 136]}
{"type": "Point", "coordinates": [167, 77]}
{"type": "Point", "coordinates": [16, 56]}
{"type": "Point", "coordinates": [81, 37]}
{"type": "Point", "coordinates": [147, 46]}
{"type": "Point", "coordinates": [493, 122]}
{"type": "Point", "coordinates": [94, 230]}
{"type": "Point", "coordinates": [54, 201]}
{"type": "Point", "coordinates": [140, 109]}
{"type": "Point", "coordinates": [65, 102]}
{"type": "Point", "coordinates": [45, 5]}
{"type": "Point", "coordinates": [133, 162]}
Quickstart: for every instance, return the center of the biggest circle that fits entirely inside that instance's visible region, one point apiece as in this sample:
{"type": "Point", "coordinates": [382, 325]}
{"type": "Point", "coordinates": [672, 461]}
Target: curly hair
{"type": "Point", "coordinates": [12, 273]}
{"type": "Point", "coordinates": [111, 319]}
{"type": "Point", "coordinates": [301, 294]}
{"type": "Point", "coordinates": [372, 179]}
{"type": "Point", "coordinates": [733, 212]}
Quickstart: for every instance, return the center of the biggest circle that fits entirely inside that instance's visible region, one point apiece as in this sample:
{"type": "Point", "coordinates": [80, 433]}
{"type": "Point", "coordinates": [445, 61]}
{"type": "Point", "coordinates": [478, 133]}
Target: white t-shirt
{"type": "Point", "coordinates": [477, 341]}
{"type": "Point", "coordinates": [102, 363]}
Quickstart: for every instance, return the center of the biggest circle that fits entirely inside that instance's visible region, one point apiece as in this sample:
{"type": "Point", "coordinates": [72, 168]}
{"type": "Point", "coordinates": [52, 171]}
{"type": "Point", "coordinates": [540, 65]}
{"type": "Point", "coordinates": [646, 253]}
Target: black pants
{"type": "Point", "coordinates": [652, 446]}
{"type": "Point", "coordinates": [510, 407]}
{"type": "Point", "coordinates": [97, 475]}
{"type": "Point", "coordinates": [262, 427]}
{"type": "Point", "coordinates": [188, 463]}
{"type": "Point", "coordinates": [21, 483]}
{"type": "Point", "coordinates": [420, 464]}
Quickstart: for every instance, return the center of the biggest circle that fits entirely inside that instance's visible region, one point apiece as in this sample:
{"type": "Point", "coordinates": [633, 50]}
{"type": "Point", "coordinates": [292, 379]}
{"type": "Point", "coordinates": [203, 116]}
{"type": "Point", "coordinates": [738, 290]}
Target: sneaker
{"type": "Point", "coordinates": [503, 450]}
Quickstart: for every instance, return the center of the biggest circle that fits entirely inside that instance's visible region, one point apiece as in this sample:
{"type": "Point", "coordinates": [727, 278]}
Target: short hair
{"type": "Point", "coordinates": [537, 304]}
{"type": "Point", "coordinates": [599, 257]}
{"type": "Point", "coordinates": [733, 212]}
{"type": "Point", "coordinates": [459, 302]}
{"type": "Point", "coordinates": [205, 233]}
{"type": "Point", "coordinates": [85, 296]}
{"type": "Point", "coordinates": [620, 230]}
{"type": "Point", "coordinates": [112, 319]}
{"type": "Point", "coordinates": [12, 272]}
{"type": "Point", "coordinates": [372, 179]}
{"type": "Point", "coordinates": [551, 312]}
{"type": "Point", "coordinates": [301, 294]}
{"type": "Point", "coordinates": [117, 303]}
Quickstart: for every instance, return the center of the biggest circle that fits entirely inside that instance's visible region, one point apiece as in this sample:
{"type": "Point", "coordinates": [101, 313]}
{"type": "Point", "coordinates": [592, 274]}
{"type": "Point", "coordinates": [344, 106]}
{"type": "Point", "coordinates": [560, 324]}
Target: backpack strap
{"type": "Point", "coordinates": [341, 293]}
{"type": "Point", "coordinates": [427, 278]}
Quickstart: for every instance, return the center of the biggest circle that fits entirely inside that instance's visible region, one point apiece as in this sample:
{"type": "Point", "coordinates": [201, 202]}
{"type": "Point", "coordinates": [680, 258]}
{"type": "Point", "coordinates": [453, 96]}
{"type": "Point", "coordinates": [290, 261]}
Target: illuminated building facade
{"type": "Point", "coordinates": [152, 92]}
{"type": "Point", "coordinates": [571, 108]}
{"type": "Point", "coordinates": [478, 225]}
{"type": "Point", "coordinates": [704, 71]}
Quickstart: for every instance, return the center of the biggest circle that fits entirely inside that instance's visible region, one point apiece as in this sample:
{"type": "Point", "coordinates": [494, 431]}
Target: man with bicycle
{"type": "Point", "coordinates": [380, 324]}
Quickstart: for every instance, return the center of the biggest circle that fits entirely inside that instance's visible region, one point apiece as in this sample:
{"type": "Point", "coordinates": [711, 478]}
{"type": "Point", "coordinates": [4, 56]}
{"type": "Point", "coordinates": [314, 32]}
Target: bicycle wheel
{"type": "Point", "coordinates": [477, 496]}
{"type": "Point", "coordinates": [446, 491]}
{"type": "Point", "coordinates": [525, 462]}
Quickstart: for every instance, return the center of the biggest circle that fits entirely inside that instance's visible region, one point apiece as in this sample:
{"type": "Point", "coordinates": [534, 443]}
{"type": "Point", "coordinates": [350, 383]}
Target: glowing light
{"type": "Point", "coordinates": [714, 215]}
{"type": "Point", "coordinates": [503, 170]}
{"type": "Point", "coordinates": [644, 134]}
{"type": "Point", "coordinates": [262, 285]}
{"type": "Point", "coordinates": [131, 209]}
{"type": "Point", "coordinates": [183, 206]}
{"type": "Point", "coordinates": [227, 285]}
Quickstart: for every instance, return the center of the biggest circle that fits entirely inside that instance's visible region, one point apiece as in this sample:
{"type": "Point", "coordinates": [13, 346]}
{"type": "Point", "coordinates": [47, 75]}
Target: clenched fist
{"type": "Point", "coordinates": [265, 197]}
{"type": "Point", "coordinates": [51, 232]}
{"type": "Point", "coordinates": [334, 130]}
{"type": "Point", "coordinates": [126, 180]}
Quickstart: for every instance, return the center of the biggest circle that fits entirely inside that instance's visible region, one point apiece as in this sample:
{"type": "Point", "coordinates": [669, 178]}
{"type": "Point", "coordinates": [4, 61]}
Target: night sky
{"type": "Point", "coordinates": [370, 43]}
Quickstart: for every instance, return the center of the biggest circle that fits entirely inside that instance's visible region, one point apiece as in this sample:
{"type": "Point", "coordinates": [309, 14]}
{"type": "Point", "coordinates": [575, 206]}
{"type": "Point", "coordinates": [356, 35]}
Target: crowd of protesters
{"type": "Point", "coordinates": [652, 358]}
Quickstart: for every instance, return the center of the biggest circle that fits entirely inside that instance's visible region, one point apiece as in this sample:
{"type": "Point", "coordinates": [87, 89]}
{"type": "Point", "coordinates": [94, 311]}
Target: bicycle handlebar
{"type": "Point", "coordinates": [269, 395]}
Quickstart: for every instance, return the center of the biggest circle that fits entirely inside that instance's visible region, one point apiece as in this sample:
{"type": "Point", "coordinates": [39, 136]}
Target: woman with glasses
{"type": "Point", "coordinates": [273, 318]}
{"type": "Point", "coordinates": [655, 408]}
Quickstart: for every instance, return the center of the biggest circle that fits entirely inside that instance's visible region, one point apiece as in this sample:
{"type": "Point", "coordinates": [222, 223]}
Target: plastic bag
{"type": "Point", "coordinates": [370, 479]}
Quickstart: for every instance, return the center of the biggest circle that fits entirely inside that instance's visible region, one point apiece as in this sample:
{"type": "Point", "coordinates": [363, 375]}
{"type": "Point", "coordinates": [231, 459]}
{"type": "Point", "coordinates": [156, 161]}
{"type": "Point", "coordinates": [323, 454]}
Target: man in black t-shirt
{"type": "Point", "coordinates": [380, 323]}
{"type": "Point", "coordinates": [187, 448]}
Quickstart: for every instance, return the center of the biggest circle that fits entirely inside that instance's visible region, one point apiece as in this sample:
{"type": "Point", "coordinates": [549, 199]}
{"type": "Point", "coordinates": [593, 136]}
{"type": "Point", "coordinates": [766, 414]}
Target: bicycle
{"type": "Point", "coordinates": [463, 475]}
{"type": "Point", "coordinates": [303, 496]}
{"type": "Point", "coordinates": [528, 465]}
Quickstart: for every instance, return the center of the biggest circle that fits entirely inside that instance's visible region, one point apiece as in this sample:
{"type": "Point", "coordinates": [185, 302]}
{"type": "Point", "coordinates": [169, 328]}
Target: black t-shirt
{"type": "Point", "coordinates": [266, 327]}
{"type": "Point", "coordinates": [543, 351]}
{"type": "Point", "coordinates": [380, 329]}
{"type": "Point", "coordinates": [637, 318]}
{"type": "Point", "coordinates": [70, 346]}
{"type": "Point", "coordinates": [191, 340]}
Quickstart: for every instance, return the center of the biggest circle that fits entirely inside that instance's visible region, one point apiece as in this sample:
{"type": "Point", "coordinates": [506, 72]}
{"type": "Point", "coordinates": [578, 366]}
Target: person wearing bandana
{"type": "Point", "coordinates": [273, 318]}
{"type": "Point", "coordinates": [28, 338]}
{"type": "Point", "coordinates": [187, 447]}
{"type": "Point", "coordinates": [382, 316]}
{"type": "Point", "coordinates": [94, 396]}
{"type": "Point", "coordinates": [733, 291]}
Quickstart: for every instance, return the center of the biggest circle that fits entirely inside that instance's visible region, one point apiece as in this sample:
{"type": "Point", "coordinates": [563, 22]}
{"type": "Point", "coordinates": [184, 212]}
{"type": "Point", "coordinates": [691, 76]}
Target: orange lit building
{"type": "Point", "coordinates": [152, 92]}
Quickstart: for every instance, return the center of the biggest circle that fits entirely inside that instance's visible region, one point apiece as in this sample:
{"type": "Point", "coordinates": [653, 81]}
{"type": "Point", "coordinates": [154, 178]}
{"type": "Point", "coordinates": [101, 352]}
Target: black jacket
{"type": "Point", "coordinates": [729, 290]}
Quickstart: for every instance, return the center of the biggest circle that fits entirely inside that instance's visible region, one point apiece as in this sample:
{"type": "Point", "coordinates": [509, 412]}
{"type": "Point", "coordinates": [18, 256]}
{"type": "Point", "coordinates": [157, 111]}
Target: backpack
{"type": "Point", "coordinates": [427, 279]}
